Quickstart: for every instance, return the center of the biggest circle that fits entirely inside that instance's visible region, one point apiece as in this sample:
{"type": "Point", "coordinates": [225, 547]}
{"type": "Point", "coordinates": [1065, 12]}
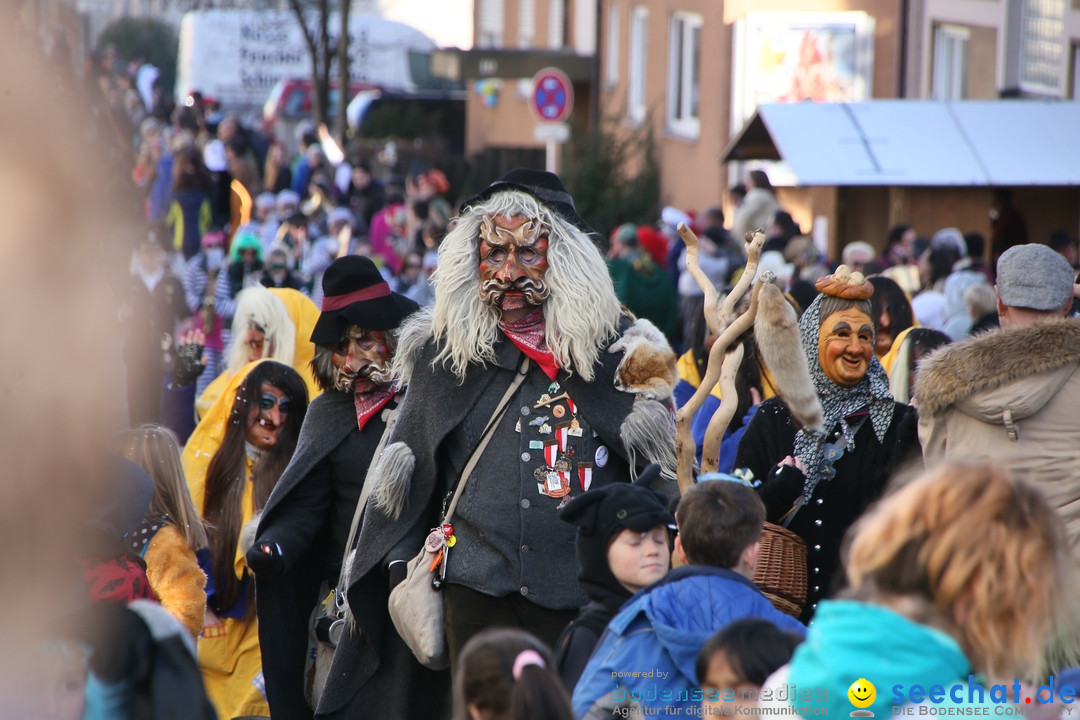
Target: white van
{"type": "Point", "coordinates": [237, 56]}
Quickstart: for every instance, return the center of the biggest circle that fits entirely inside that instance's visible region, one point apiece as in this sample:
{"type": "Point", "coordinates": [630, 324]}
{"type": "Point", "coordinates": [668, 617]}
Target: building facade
{"type": "Point", "coordinates": [696, 70]}
{"type": "Point", "coordinates": [978, 49]}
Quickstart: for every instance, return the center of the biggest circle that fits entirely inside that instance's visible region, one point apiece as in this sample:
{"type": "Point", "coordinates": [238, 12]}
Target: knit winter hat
{"type": "Point", "coordinates": [1034, 276]}
{"type": "Point", "coordinates": [627, 233]}
{"type": "Point", "coordinates": [601, 514]}
{"type": "Point", "coordinates": [605, 511]}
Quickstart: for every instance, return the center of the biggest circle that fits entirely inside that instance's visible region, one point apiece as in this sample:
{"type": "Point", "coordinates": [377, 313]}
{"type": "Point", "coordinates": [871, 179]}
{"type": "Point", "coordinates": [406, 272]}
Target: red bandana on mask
{"type": "Point", "coordinates": [528, 334]}
{"type": "Point", "coordinates": [371, 402]}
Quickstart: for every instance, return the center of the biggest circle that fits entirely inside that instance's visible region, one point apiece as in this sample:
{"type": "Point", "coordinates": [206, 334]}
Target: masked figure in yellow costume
{"type": "Point", "coordinates": [232, 461]}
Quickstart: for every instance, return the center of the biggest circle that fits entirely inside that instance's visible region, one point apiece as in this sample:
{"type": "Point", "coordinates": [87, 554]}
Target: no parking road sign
{"type": "Point", "coordinates": [552, 96]}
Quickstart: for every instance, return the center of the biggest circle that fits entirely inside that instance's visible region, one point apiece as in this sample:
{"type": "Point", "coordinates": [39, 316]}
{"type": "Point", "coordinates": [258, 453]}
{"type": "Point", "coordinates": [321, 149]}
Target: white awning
{"type": "Point", "coordinates": [918, 142]}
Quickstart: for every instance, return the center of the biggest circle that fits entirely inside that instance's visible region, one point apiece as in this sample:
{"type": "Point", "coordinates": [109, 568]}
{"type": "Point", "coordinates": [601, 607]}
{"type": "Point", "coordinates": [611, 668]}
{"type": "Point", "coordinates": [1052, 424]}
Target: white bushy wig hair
{"type": "Point", "coordinates": [581, 314]}
{"type": "Point", "coordinates": [268, 311]}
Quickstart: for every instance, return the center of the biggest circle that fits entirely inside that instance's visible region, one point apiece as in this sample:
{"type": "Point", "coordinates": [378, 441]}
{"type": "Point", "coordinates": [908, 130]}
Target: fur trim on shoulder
{"type": "Point", "coordinates": [413, 334]}
{"type": "Point", "coordinates": [391, 478]}
{"type": "Point", "coordinates": [648, 434]}
{"type": "Point", "coordinates": [993, 359]}
{"type": "Point", "coordinates": [247, 533]}
{"type": "Point", "coordinates": [647, 368]}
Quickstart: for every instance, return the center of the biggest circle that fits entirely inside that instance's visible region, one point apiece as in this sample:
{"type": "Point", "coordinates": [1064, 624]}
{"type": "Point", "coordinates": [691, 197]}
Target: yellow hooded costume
{"type": "Point", "coordinates": [304, 314]}
{"type": "Point", "coordinates": [229, 656]}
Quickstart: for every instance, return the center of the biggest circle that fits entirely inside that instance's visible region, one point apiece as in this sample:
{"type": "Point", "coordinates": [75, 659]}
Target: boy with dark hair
{"type": "Point", "coordinates": [648, 652]}
{"type": "Point", "coordinates": [720, 526]}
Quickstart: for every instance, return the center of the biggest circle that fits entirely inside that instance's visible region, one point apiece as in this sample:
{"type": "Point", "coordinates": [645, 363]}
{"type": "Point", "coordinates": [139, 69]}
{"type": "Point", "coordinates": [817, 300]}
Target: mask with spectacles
{"type": "Point", "coordinates": [264, 426]}
{"type": "Point", "coordinates": [267, 402]}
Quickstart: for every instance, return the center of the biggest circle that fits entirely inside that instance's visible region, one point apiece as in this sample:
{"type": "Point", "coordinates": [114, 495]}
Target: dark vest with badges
{"type": "Point", "coordinates": [510, 539]}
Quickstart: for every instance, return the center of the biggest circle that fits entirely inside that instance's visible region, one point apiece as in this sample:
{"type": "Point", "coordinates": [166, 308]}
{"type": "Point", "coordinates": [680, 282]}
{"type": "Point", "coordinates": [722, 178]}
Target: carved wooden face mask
{"type": "Point", "coordinates": [267, 414]}
{"type": "Point", "coordinates": [361, 360]}
{"type": "Point", "coordinates": [845, 346]}
{"type": "Point", "coordinates": [513, 262]}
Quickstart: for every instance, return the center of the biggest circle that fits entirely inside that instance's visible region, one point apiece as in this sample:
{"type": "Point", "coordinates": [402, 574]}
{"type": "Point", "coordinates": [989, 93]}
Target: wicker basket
{"type": "Point", "coordinates": [781, 569]}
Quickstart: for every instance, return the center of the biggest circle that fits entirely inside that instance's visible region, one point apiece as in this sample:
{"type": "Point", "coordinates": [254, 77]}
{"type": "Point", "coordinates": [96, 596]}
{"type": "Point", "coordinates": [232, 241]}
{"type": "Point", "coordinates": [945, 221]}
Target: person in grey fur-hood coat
{"type": "Point", "coordinates": [1011, 394]}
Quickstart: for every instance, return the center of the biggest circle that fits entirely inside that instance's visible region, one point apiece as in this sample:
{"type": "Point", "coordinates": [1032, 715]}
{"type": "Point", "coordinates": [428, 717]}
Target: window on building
{"type": "Point", "coordinates": [950, 63]}
{"type": "Point", "coordinates": [490, 20]}
{"type": "Point", "coordinates": [1042, 46]}
{"type": "Point", "coordinates": [639, 33]}
{"type": "Point", "coordinates": [556, 24]}
{"type": "Point", "coordinates": [612, 59]}
{"type": "Point", "coordinates": [526, 23]}
{"type": "Point", "coordinates": [1074, 79]}
{"type": "Point", "coordinates": [684, 76]}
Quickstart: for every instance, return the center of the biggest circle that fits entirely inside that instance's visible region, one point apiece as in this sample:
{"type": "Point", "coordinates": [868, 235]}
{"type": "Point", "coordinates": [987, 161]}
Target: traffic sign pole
{"type": "Point", "coordinates": [550, 102]}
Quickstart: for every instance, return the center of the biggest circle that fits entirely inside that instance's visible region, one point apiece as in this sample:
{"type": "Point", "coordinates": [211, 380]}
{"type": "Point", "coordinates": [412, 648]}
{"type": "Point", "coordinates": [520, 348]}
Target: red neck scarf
{"type": "Point", "coordinates": [371, 402]}
{"type": "Point", "coordinates": [528, 334]}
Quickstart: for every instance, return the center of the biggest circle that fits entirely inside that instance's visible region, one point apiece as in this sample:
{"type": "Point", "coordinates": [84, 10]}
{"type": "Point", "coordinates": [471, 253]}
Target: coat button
{"type": "Point", "coordinates": [819, 501]}
{"type": "Point", "coordinates": [817, 570]}
{"type": "Point", "coordinates": [524, 590]}
{"type": "Point", "coordinates": [525, 410]}
{"type": "Point", "coordinates": [526, 457]}
{"type": "Point", "coordinates": [524, 548]}
{"type": "Point", "coordinates": [818, 523]}
{"type": "Point", "coordinates": [816, 588]}
{"type": "Point", "coordinates": [816, 547]}
{"type": "Point", "coordinates": [525, 502]}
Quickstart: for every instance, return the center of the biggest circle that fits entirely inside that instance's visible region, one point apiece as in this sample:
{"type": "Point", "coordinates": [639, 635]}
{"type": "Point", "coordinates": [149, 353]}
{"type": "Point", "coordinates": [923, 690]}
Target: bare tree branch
{"type": "Point", "coordinates": [343, 74]}
{"type": "Point", "coordinates": [318, 48]}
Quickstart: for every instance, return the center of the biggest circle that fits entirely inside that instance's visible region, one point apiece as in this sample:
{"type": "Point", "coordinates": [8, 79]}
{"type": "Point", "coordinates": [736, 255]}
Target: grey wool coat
{"type": "Point", "coordinates": [413, 475]}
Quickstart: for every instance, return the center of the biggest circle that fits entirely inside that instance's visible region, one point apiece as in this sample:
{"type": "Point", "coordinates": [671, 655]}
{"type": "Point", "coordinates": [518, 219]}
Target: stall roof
{"type": "Point", "coordinates": [918, 142]}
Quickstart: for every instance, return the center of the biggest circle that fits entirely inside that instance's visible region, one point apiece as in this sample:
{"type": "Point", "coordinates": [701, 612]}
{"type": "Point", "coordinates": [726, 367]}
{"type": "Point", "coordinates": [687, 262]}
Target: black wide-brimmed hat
{"type": "Point", "coordinates": [545, 187]}
{"type": "Point", "coordinates": [355, 293]}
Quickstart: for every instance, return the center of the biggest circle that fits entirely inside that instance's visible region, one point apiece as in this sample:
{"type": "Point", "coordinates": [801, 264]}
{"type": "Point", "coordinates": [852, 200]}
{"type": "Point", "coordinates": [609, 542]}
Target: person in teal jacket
{"type": "Point", "coordinates": [958, 581]}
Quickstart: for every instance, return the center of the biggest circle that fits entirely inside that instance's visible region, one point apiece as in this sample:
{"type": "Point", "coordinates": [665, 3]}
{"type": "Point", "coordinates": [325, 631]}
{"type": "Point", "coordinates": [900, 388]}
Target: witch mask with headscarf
{"type": "Point", "coordinates": [838, 339]}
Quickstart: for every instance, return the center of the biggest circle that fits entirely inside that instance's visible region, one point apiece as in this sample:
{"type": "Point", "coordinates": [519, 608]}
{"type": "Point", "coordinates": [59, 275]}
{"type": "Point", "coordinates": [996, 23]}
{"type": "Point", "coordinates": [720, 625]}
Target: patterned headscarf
{"type": "Point", "coordinates": [837, 402]}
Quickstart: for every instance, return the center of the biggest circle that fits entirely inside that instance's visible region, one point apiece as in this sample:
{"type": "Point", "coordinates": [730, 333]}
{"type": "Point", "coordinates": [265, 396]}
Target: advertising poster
{"type": "Point", "coordinates": [783, 57]}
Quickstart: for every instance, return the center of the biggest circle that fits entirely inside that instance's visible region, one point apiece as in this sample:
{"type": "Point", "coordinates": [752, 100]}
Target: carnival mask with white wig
{"type": "Point", "coordinates": [513, 262]}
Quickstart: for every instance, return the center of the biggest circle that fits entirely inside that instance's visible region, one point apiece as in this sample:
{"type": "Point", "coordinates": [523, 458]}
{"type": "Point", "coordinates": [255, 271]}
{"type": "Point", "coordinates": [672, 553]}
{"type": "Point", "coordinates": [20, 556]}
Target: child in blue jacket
{"type": "Point", "coordinates": [648, 653]}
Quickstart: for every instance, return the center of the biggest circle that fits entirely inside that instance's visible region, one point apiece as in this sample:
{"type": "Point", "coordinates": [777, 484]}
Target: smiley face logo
{"type": "Point", "coordinates": [862, 694]}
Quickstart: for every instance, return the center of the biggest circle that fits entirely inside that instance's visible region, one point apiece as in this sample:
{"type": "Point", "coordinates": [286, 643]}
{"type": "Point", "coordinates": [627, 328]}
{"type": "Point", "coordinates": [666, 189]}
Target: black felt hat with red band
{"type": "Point", "coordinates": [355, 293]}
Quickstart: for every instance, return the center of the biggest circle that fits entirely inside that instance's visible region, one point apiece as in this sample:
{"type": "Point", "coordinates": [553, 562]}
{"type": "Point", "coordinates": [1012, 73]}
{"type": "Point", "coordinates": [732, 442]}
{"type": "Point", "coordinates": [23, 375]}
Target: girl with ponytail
{"type": "Point", "coordinates": [507, 674]}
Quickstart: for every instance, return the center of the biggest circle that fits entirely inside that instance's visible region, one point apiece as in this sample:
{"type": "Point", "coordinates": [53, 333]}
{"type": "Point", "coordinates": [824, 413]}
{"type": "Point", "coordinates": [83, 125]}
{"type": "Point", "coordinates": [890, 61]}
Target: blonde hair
{"type": "Point", "coordinates": [980, 299]}
{"type": "Point", "coordinates": [156, 450]}
{"type": "Point", "coordinates": [581, 314]}
{"type": "Point", "coordinates": [985, 551]}
{"type": "Point", "coordinates": [266, 309]}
